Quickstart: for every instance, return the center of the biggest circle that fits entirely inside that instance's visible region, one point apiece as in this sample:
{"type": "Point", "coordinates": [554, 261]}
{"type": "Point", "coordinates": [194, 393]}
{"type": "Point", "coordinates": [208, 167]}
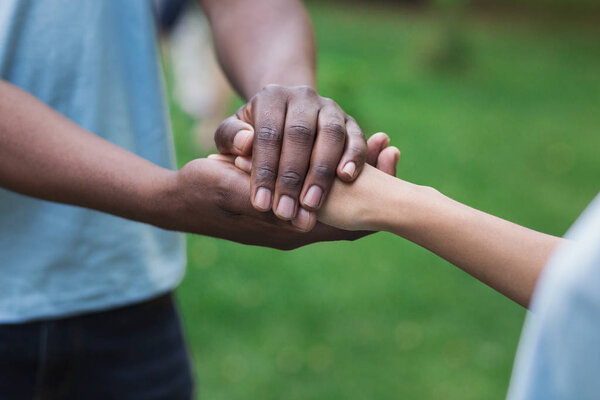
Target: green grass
{"type": "Point", "coordinates": [513, 130]}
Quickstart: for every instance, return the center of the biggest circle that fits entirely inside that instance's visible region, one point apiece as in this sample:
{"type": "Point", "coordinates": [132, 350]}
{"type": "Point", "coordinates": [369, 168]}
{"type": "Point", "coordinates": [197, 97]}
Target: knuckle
{"type": "Point", "coordinates": [268, 136]}
{"type": "Point", "coordinates": [291, 180]}
{"type": "Point", "coordinates": [357, 151]}
{"type": "Point", "coordinates": [328, 102]}
{"type": "Point", "coordinates": [335, 130]}
{"type": "Point", "coordinates": [301, 132]}
{"type": "Point", "coordinates": [265, 174]}
{"type": "Point", "coordinates": [333, 107]}
{"type": "Point", "coordinates": [271, 88]}
{"type": "Point", "coordinates": [306, 90]}
{"type": "Point", "coordinates": [323, 172]}
{"type": "Point", "coordinates": [357, 133]}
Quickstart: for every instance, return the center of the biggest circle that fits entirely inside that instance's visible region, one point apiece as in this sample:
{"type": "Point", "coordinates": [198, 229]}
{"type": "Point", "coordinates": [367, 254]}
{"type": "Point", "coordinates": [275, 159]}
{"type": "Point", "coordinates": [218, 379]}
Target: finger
{"type": "Point", "coordinates": [355, 153]}
{"type": "Point", "coordinates": [238, 203]}
{"type": "Point", "coordinates": [375, 145]}
{"type": "Point", "coordinates": [269, 118]}
{"type": "Point", "coordinates": [244, 163]}
{"type": "Point", "coordinates": [234, 136]}
{"type": "Point", "coordinates": [222, 157]}
{"type": "Point", "coordinates": [305, 220]}
{"type": "Point", "coordinates": [296, 150]}
{"type": "Point", "coordinates": [328, 148]}
{"type": "Point", "coordinates": [388, 160]}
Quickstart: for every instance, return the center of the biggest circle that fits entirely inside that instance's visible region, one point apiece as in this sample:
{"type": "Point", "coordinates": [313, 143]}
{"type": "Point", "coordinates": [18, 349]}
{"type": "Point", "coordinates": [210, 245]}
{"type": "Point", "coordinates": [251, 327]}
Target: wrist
{"type": "Point", "coordinates": [401, 207]}
{"type": "Point", "coordinates": [305, 78]}
{"type": "Point", "coordinates": [376, 201]}
{"type": "Point", "coordinates": [160, 199]}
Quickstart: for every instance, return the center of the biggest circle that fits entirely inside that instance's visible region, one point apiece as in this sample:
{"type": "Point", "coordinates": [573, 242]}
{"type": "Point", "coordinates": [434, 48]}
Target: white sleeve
{"type": "Point", "coordinates": [559, 351]}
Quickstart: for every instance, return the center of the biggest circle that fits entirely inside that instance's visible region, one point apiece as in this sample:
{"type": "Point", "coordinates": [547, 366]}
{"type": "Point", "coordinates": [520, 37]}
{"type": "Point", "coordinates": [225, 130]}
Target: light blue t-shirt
{"type": "Point", "coordinates": [96, 62]}
{"type": "Point", "coordinates": [559, 352]}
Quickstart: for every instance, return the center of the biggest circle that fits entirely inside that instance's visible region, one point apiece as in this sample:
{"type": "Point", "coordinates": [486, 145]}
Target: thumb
{"type": "Point", "coordinates": [234, 136]}
{"type": "Point", "coordinates": [388, 160]}
{"type": "Point", "coordinates": [375, 145]}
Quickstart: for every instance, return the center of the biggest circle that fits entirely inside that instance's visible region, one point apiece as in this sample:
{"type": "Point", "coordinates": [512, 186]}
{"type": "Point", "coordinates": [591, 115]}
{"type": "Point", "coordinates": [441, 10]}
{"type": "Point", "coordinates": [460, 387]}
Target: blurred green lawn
{"type": "Point", "coordinates": [513, 130]}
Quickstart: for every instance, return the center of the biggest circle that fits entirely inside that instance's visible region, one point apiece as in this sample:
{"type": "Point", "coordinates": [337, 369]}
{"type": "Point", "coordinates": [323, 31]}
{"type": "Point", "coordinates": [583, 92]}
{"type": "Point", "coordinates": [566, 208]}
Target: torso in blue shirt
{"type": "Point", "coordinates": [97, 63]}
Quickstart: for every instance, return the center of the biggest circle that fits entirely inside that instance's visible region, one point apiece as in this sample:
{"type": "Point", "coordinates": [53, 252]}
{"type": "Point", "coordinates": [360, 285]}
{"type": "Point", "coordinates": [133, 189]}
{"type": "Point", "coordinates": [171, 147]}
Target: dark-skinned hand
{"type": "Point", "coordinates": [211, 197]}
{"type": "Point", "coordinates": [299, 142]}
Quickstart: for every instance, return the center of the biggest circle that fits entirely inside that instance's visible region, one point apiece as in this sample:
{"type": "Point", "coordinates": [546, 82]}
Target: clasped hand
{"type": "Point", "coordinates": [280, 154]}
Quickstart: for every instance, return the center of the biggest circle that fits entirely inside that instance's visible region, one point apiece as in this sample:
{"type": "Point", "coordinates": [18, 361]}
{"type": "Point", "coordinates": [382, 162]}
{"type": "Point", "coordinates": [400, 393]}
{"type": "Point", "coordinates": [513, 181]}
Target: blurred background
{"type": "Point", "coordinates": [497, 104]}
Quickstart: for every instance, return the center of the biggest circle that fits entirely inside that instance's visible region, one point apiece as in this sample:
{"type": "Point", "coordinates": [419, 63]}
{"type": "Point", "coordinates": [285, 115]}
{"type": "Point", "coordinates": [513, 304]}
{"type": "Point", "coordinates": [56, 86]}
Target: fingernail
{"type": "Point", "coordinates": [387, 140]}
{"type": "Point", "coordinates": [263, 198]}
{"type": "Point", "coordinates": [302, 220]}
{"type": "Point", "coordinates": [240, 140]}
{"type": "Point", "coordinates": [313, 196]}
{"type": "Point", "coordinates": [286, 206]}
{"type": "Point", "coordinates": [350, 168]}
{"type": "Point", "coordinates": [243, 163]}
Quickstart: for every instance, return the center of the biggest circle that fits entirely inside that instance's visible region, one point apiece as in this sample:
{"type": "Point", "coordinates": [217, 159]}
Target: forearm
{"type": "Point", "coordinates": [263, 42]}
{"type": "Point", "coordinates": [45, 155]}
{"type": "Point", "coordinates": [501, 254]}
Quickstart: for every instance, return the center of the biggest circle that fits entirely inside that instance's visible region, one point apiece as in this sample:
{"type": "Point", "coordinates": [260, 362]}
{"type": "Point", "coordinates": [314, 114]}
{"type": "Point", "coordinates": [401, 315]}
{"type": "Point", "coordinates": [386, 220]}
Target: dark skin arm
{"type": "Point", "coordinates": [261, 42]}
{"type": "Point", "coordinates": [45, 155]}
{"type": "Point", "coordinates": [299, 140]}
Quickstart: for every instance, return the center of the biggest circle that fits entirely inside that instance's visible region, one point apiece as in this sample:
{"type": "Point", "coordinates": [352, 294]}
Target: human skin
{"type": "Point", "coordinates": [52, 158]}
{"type": "Point", "coordinates": [260, 43]}
{"type": "Point", "coordinates": [503, 255]}
{"type": "Point", "coordinates": [299, 141]}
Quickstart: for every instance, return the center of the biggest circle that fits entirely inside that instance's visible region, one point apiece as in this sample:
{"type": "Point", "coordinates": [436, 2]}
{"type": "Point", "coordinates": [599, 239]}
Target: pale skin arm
{"type": "Point", "coordinates": [501, 254]}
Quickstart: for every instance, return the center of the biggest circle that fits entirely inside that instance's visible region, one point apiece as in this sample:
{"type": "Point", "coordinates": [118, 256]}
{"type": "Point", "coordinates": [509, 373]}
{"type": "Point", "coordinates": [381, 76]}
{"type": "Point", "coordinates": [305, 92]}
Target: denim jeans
{"type": "Point", "coordinates": [134, 352]}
